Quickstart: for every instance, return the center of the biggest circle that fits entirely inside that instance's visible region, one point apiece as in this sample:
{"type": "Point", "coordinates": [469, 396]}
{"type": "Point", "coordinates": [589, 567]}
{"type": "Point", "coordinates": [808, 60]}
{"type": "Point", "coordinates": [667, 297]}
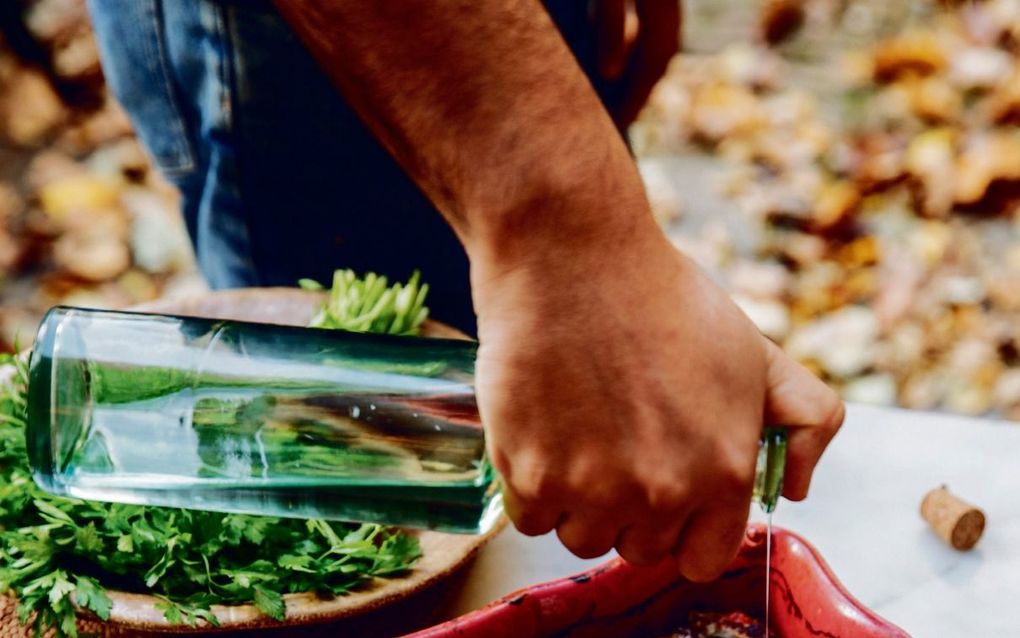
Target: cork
{"type": "Point", "coordinates": [956, 521]}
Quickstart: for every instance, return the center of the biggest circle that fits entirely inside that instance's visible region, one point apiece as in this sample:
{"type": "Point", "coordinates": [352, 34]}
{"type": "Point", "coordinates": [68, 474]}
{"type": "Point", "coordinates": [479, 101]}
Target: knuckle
{"type": "Point", "coordinates": [665, 495]}
{"type": "Point", "coordinates": [834, 420]}
{"type": "Point", "coordinates": [531, 525]}
{"type": "Point", "coordinates": [737, 478]}
{"type": "Point", "coordinates": [594, 488]}
{"type": "Point", "coordinates": [596, 497]}
{"type": "Point", "coordinates": [585, 546]}
{"type": "Point", "coordinates": [533, 489]}
{"type": "Point", "coordinates": [733, 480]}
{"type": "Point", "coordinates": [708, 549]}
{"type": "Point", "coordinates": [643, 553]}
{"type": "Point", "coordinates": [698, 570]}
{"type": "Point", "coordinates": [736, 466]}
{"type": "Point", "coordinates": [699, 567]}
{"type": "Point", "coordinates": [639, 555]}
{"type": "Point", "coordinates": [500, 460]}
{"type": "Point", "coordinates": [534, 481]}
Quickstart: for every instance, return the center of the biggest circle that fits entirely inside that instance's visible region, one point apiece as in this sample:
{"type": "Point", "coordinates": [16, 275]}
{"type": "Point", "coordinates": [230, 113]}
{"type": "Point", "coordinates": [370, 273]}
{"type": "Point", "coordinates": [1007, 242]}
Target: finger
{"type": "Point", "coordinates": [611, 30]}
{"type": "Point", "coordinates": [710, 541]}
{"type": "Point", "coordinates": [811, 410]}
{"type": "Point", "coordinates": [530, 519]}
{"type": "Point", "coordinates": [588, 534]}
{"type": "Point", "coordinates": [648, 543]}
{"type": "Point", "coordinates": [657, 42]}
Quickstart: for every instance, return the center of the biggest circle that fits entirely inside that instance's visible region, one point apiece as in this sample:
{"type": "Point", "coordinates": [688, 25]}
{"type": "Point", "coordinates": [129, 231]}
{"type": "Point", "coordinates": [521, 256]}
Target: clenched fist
{"type": "Point", "coordinates": [624, 395]}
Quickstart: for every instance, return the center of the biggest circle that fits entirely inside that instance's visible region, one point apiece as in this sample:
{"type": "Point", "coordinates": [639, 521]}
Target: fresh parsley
{"type": "Point", "coordinates": [60, 555]}
{"type": "Point", "coordinates": [369, 305]}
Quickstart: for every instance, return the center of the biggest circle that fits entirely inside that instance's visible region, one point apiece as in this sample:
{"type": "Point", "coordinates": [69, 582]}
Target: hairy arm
{"type": "Point", "coordinates": [486, 109]}
{"type": "Point", "coordinates": [622, 393]}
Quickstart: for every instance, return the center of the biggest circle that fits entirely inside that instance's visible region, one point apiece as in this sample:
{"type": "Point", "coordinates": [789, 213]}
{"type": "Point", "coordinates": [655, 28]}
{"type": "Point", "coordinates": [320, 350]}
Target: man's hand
{"type": "Point", "coordinates": [624, 396]}
{"type": "Point", "coordinates": [636, 40]}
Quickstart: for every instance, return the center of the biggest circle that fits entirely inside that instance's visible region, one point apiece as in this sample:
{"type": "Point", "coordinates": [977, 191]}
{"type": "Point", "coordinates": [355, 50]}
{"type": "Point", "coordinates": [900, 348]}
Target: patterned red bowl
{"type": "Point", "coordinates": [616, 600]}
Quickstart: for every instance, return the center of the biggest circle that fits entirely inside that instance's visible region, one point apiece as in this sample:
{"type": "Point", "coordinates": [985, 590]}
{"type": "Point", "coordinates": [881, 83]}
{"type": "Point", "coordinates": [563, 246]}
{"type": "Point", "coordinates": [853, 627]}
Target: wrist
{"type": "Point", "coordinates": [575, 274]}
{"type": "Point", "coordinates": [565, 227]}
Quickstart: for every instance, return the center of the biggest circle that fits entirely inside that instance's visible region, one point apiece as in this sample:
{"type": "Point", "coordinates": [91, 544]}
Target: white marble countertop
{"type": "Point", "coordinates": [863, 515]}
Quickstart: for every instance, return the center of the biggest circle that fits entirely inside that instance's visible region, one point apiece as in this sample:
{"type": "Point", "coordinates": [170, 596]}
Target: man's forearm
{"type": "Point", "coordinates": [622, 393]}
{"type": "Point", "coordinates": [486, 109]}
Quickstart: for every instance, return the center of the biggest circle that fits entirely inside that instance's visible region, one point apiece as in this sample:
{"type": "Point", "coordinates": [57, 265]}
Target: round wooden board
{"type": "Point", "coordinates": [442, 554]}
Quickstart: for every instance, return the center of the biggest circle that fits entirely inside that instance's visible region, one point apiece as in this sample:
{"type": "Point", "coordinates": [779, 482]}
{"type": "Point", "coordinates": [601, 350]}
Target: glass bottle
{"type": "Point", "coordinates": [260, 419]}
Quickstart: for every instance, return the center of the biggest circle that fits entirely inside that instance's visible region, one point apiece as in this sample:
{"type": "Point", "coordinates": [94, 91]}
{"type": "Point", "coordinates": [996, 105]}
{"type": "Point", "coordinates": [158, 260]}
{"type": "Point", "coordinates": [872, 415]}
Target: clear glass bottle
{"type": "Point", "coordinates": [260, 419]}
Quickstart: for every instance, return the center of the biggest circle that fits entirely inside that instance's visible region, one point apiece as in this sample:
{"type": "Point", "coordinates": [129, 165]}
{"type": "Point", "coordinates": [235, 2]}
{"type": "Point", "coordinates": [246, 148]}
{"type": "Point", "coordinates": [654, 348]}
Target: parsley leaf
{"type": "Point", "coordinates": [89, 594]}
{"type": "Point", "coordinates": [269, 602]}
{"type": "Point", "coordinates": [59, 555]}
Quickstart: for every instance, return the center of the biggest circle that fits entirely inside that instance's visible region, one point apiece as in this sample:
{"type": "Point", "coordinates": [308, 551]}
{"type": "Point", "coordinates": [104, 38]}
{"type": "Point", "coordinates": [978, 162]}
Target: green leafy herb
{"type": "Point", "coordinates": [59, 555]}
{"type": "Point", "coordinates": [368, 305]}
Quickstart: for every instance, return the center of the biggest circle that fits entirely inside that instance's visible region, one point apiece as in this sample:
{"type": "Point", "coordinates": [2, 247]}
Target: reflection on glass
{"type": "Point", "coordinates": [261, 419]}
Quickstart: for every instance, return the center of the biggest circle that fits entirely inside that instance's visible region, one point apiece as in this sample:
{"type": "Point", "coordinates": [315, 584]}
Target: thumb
{"type": "Point", "coordinates": [811, 410]}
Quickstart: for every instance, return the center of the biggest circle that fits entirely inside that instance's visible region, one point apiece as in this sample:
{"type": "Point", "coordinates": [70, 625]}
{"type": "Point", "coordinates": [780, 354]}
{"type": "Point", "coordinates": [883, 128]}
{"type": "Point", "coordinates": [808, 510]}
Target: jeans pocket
{"type": "Point", "coordinates": [132, 45]}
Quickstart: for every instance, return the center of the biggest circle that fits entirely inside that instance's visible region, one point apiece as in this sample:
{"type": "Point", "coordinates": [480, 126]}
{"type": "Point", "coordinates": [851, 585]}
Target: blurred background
{"type": "Point", "coordinates": [84, 220]}
{"type": "Point", "coordinates": [848, 169]}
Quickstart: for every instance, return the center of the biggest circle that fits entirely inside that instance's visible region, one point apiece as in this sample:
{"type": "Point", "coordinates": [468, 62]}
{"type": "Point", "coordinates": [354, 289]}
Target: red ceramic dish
{"type": "Point", "coordinates": [618, 600]}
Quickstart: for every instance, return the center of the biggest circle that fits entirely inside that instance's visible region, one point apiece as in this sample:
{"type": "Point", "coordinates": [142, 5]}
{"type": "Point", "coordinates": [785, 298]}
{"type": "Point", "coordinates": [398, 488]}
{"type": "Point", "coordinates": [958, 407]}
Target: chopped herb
{"type": "Point", "coordinates": [369, 305]}
{"type": "Point", "coordinates": [59, 555]}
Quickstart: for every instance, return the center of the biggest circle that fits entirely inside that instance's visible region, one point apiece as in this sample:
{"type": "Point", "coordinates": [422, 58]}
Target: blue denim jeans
{"type": "Point", "coordinates": [280, 179]}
